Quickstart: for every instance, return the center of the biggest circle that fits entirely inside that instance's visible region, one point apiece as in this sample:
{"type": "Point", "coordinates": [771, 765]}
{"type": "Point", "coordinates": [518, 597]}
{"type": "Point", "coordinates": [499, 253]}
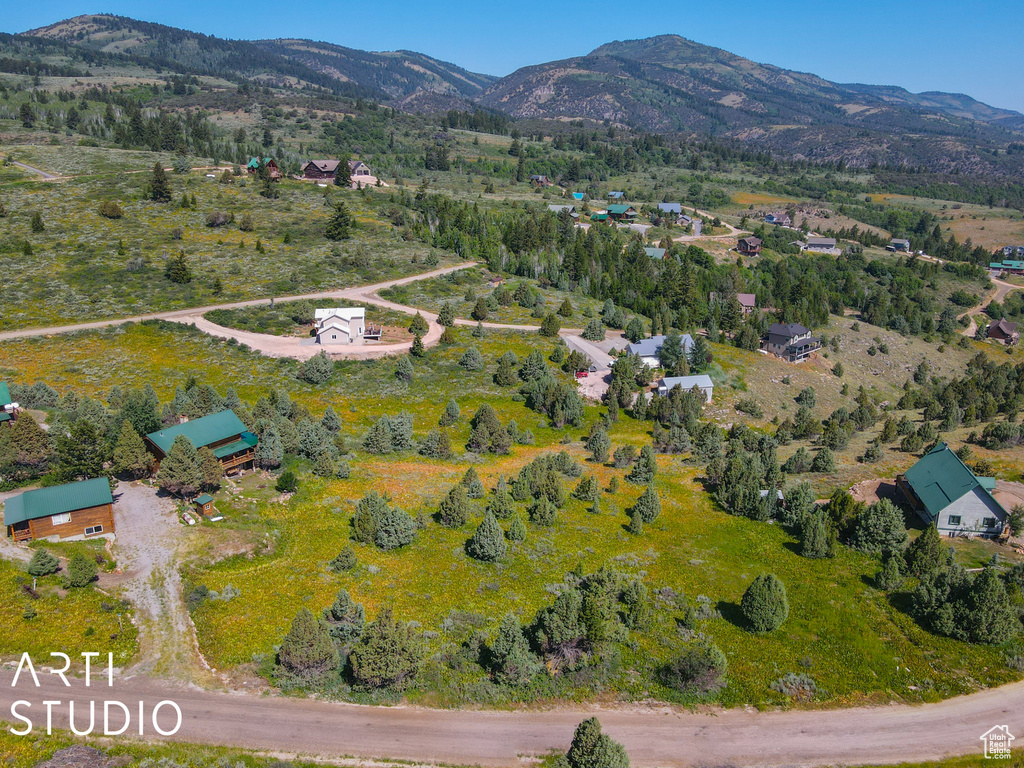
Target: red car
{"type": "Point", "coordinates": [581, 374]}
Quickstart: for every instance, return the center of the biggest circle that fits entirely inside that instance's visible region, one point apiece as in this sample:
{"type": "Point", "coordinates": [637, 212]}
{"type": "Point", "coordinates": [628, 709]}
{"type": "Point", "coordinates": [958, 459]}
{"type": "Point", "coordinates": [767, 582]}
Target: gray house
{"type": "Point", "coordinates": [899, 245]}
{"type": "Point", "coordinates": [686, 383]}
{"type": "Point", "coordinates": [944, 491]}
{"type": "Point", "coordinates": [648, 349]}
{"type": "Point", "coordinates": [821, 244]}
{"type": "Point", "coordinates": [791, 341]}
{"type": "Point", "coordinates": [675, 208]}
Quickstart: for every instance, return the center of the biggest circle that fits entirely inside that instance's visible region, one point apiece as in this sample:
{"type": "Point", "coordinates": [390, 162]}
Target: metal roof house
{"type": "Point", "coordinates": [943, 490]}
{"type": "Point", "coordinates": [621, 212]}
{"type": "Point", "coordinates": [655, 253]}
{"type": "Point", "coordinates": [648, 349]}
{"type": "Point", "coordinates": [821, 244]}
{"type": "Point", "coordinates": [616, 195]}
{"type": "Point", "coordinates": [8, 409]}
{"type": "Point", "coordinates": [899, 244]}
{"type": "Point", "coordinates": [686, 383]}
{"type": "Point", "coordinates": [75, 511]}
{"type": "Point", "coordinates": [223, 433]}
{"type": "Point", "coordinates": [676, 208]}
{"type": "Point", "coordinates": [559, 208]}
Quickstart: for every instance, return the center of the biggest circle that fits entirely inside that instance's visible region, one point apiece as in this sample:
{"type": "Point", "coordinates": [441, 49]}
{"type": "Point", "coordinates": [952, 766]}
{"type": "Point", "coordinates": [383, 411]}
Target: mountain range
{"type": "Point", "coordinates": [664, 84]}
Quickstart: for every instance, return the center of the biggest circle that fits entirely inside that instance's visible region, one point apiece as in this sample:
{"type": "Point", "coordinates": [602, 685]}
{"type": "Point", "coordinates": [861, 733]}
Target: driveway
{"type": "Point", "coordinates": [594, 386]}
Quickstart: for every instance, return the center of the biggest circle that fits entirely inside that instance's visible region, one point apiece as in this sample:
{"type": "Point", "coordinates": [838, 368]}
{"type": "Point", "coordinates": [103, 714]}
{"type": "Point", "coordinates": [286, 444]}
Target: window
{"type": "Point", "coordinates": [61, 519]}
{"type": "Point", "coordinates": [93, 529]}
{"type": "Point", "coordinates": [989, 522]}
{"type": "Point", "coordinates": [954, 519]}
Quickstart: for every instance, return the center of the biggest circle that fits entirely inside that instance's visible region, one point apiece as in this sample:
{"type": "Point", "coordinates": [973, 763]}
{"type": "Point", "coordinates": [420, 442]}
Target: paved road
{"type": "Point", "coordinates": [654, 736]}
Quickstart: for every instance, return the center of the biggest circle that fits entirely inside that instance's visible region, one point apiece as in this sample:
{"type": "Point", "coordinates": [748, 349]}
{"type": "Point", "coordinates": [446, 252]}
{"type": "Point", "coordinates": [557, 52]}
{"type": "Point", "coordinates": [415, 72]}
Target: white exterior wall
{"type": "Point", "coordinates": [972, 507]}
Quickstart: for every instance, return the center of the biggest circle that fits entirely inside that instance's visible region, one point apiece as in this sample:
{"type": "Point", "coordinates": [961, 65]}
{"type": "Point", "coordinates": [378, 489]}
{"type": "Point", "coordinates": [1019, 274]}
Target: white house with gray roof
{"type": "Point", "coordinates": [648, 349]}
{"type": "Point", "coordinates": [686, 383]}
{"type": "Point", "coordinates": [340, 325]}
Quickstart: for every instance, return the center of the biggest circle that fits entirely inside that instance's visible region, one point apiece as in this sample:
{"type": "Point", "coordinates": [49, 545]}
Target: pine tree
{"type": "Point", "coordinates": [925, 553]}
{"type": "Point", "coordinates": [593, 331]}
{"type": "Point", "coordinates": [824, 461]}
{"type": "Point", "coordinates": [269, 451]}
{"type": "Point", "coordinates": [317, 370]}
{"type": "Point", "coordinates": [472, 360]}
{"type": "Point", "coordinates": [81, 571]}
{"type": "Point", "coordinates": [307, 654]}
{"type": "Point", "coordinates": [501, 504]}
{"type": "Point", "coordinates": [394, 528]}
{"type": "Point", "coordinates": [379, 439]}
{"type": "Point", "coordinates": [436, 445]}
{"type": "Point", "coordinates": [506, 374]}
{"type": "Point", "coordinates": [130, 455]}
{"type": "Point", "coordinates": [36, 223]}
{"type": "Point", "coordinates": [599, 445]}
{"type": "Point", "coordinates": [159, 186]}
{"type": "Point", "coordinates": [648, 506]}
{"type": "Point", "coordinates": [331, 421]}
{"type": "Point", "coordinates": [446, 316]}
{"type": "Point", "coordinates": [816, 537]}
{"type": "Point", "coordinates": [567, 310]}
{"type": "Point", "coordinates": [543, 512]}
{"type": "Point", "coordinates": [478, 332]}
{"type": "Point", "coordinates": [418, 326]}
{"type": "Point", "coordinates": [454, 509]}
{"type": "Point", "coordinates": [81, 452]}
{"type": "Point", "coordinates": [550, 326]}
{"type": "Point", "coordinates": [592, 749]}
{"type": "Point", "coordinates": [512, 662]}
{"type": "Point", "coordinates": [43, 563]}
{"type": "Point", "coordinates": [340, 223]}
{"type": "Point", "coordinates": [517, 531]}
{"type": "Point", "coordinates": [636, 524]}
{"type": "Point", "coordinates": [345, 620]}
{"type": "Point", "coordinates": [764, 604]}
{"type": "Point", "coordinates": [889, 577]}
{"type": "Point", "coordinates": [473, 485]}
{"type": "Point", "coordinates": [488, 543]}
{"type": "Point", "coordinates": [480, 310]}
{"type": "Point", "coordinates": [210, 470]}
{"type": "Point", "coordinates": [646, 467]}
{"type": "Point", "coordinates": [450, 415]}
{"type": "Point", "coordinates": [387, 654]}
{"type": "Point", "coordinates": [181, 470]}
{"type": "Point", "coordinates": [177, 269]}
{"type": "Point", "coordinates": [448, 337]}
{"type": "Point", "coordinates": [417, 349]}
{"type": "Point", "coordinates": [404, 370]}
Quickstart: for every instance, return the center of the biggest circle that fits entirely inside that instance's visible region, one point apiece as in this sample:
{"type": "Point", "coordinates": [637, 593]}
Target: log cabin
{"type": "Point", "coordinates": [75, 511]}
{"type": "Point", "coordinates": [321, 169]}
{"type": "Point", "coordinates": [8, 409]}
{"type": "Point", "coordinates": [223, 433]}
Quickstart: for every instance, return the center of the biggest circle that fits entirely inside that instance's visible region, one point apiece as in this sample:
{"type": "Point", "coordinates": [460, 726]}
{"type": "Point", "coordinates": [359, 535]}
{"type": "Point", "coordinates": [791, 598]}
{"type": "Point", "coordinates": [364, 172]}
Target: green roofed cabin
{"type": "Point", "coordinates": [223, 433]}
{"type": "Point", "coordinates": [74, 511]}
{"type": "Point", "coordinates": [8, 410]}
{"type": "Point", "coordinates": [620, 212]}
{"type": "Point", "coordinates": [943, 490]}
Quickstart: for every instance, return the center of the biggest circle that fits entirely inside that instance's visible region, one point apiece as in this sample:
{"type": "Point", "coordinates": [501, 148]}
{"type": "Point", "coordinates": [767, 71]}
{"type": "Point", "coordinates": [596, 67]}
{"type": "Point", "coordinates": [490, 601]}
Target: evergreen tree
{"type": "Point", "coordinates": [181, 469]}
{"type": "Point", "coordinates": [646, 467]}
{"type": "Point", "coordinates": [599, 445]}
{"type": "Point", "coordinates": [472, 360]}
{"type": "Point", "coordinates": [317, 370]}
{"type": "Point", "coordinates": [592, 749]}
{"type": "Point", "coordinates": [210, 470]}
{"type": "Point", "coordinates": [506, 374]}
{"type": "Point", "coordinates": [345, 620]}
{"type": "Point", "coordinates": [925, 553]}
{"type": "Point", "coordinates": [566, 310]}
{"type": "Point", "coordinates": [446, 316]}
{"type": "Point", "coordinates": [417, 349]}
{"type": "Point", "coordinates": [344, 560]}
{"type": "Point", "coordinates": [636, 524]}
{"type": "Point", "coordinates": [418, 326]}
{"type": "Point", "coordinates": [159, 186]}
{"type": "Point", "coordinates": [648, 506]}
{"type": "Point", "coordinates": [488, 542]}
{"type": "Point", "coordinates": [517, 531]}
{"type": "Point", "coordinates": [889, 577]}
{"type": "Point", "coordinates": [512, 662]}
{"type": "Point", "coordinates": [177, 269]}
{"type": "Point", "coordinates": [269, 451]}
{"type": "Point", "coordinates": [454, 509]}
{"type": "Point", "coordinates": [130, 455]}
{"type": "Point", "coordinates": [404, 370]}
{"type": "Point", "coordinates": [473, 485]}
{"type": "Point", "coordinates": [543, 512]}
{"type": "Point", "coordinates": [387, 654]}
{"type": "Point", "coordinates": [81, 571]}
{"type": "Point", "coordinates": [379, 439]}
{"type": "Point", "coordinates": [593, 331]}
{"type": "Point", "coordinates": [331, 421]}
{"type": "Point", "coordinates": [436, 445]}
{"type": "Point", "coordinates": [36, 223]}
{"type": "Point", "coordinates": [369, 510]}
{"type": "Point", "coordinates": [43, 563]}
{"type": "Point", "coordinates": [448, 337]}
{"type": "Point", "coordinates": [307, 654]}
{"type": "Point", "coordinates": [764, 604]}
{"type": "Point", "coordinates": [450, 415]}
{"type": "Point", "coordinates": [480, 310]}
{"type": "Point", "coordinates": [550, 326]}
{"type": "Point", "coordinates": [879, 529]}
{"type": "Point", "coordinates": [991, 617]}
{"type": "Point", "coordinates": [394, 528]}
{"type": "Point", "coordinates": [824, 461]}
{"type": "Point", "coordinates": [501, 504]}
{"type": "Point", "coordinates": [81, 452]}
{"type": "Point", "coordinates": [817, 539]}
{"type": "Point", "coordinates": [635, 330]}
{"type": "Point", "coordinates": [340, 223]}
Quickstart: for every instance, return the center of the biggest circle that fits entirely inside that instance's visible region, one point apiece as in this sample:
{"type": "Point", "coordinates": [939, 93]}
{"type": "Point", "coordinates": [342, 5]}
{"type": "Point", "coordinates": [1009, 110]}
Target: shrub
{"type": "Point", "coordinates": [389, 653]}
{"type": "Point", "coordinates": [307, 654]}
{"type": "Point", "coordinates": [394, 528]}
{"type": "Point", "coordinates": [287, 482]}
{"type": "Point", "coordinates": [318, 369]}
{"type": "Point", "coordinates": [764, 604]}
{"type": "Point", "coordinates": [344, 561]}
{"type": "Point", "coordinates": [699, 669]}
{"type": "Point", "coordinates": [111, 210]}
{"type": "Point", "coordinates": [488, 542]}
{"type": "Point", "coordinates": [512, 662]}
{"type": "Point", "coordinates": [472, 360]}
{"type": "Point", "coordinates": [796, 686]}
{"type": "Point", "coordinates": [43, 563]}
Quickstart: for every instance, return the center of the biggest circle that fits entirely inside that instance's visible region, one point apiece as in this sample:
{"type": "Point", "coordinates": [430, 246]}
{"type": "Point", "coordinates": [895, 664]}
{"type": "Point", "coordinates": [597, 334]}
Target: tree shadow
{"type": "Point", "coordinates": [732, 613]}
{"type": "Point", "coordinates": [792, 546]}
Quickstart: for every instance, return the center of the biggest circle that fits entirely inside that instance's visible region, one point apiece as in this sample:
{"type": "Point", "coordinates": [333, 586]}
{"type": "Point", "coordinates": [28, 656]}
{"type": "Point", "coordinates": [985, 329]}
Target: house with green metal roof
{"type": "Point", "coordinates": [655, 253]}
{"type": "Point", "coordinates": [223, 433]}
{"type": "Point", "coordinates": [944, 491]}
{"type": "Point", "coordinates": [254, 165]}
{"type": "Point", "coordinates": [621, 212]}
{"type": "Point", "coordinates": [75, 511]}
{"type": "Point", "coordinates": [7, 408]}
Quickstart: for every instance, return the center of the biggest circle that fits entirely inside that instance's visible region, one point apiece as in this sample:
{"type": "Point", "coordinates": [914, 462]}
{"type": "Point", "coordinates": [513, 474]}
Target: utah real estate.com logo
{"type": "Point", "coordinates": [997, 742]}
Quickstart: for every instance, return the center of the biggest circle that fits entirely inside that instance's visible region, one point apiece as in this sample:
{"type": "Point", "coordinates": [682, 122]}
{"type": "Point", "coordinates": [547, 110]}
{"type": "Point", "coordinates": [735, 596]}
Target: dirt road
{"type": "Point", "coordinates": [1002, 289]}
{"type": "Point", "coordinates": [656, 736]}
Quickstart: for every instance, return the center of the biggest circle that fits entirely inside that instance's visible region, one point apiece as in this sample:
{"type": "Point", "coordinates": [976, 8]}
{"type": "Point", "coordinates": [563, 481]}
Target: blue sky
{"type": "Point", "coordinates": [972, 48]}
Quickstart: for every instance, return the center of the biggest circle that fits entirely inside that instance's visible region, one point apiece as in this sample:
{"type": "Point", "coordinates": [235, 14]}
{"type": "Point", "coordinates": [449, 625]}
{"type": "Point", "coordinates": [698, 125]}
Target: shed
{"type": "Point", "coordinates": [204, 505]}
{"type": "Point", "coordinates": [82, 510]}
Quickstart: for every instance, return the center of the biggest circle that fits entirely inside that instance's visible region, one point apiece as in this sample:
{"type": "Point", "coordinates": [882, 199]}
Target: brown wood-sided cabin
{"type": "Point", "coordinates": [223, 433]}
{"type": "Point", "coordinates": [82, 510]}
